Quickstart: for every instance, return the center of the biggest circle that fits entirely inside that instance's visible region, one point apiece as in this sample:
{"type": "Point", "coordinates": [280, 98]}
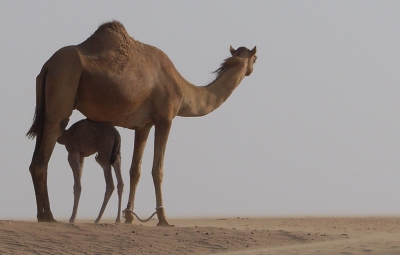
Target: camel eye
{"type": "Point", "coordinates": [255, 58]}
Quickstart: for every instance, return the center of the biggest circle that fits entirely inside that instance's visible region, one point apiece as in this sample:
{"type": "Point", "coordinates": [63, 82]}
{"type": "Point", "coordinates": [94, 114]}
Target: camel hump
{"type": "Point", "coordinates": [111, 31]}
{"type": "Point", "coordinates": [115, 49]}
{"type": "Point", "coordinates": [112, 25]}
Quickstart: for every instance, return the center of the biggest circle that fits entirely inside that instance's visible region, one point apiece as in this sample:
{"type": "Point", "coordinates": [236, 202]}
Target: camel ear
{"type": "Point", "coordinates": [254, 50]}
{"type": "Point", "coordinates": [232, 50]}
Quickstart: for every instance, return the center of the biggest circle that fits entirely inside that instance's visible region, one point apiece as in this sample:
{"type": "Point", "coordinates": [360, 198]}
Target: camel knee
{"type": "Point", "coordinates": [110, 188]}
{"type": "Point", "coordinates": [117, 161]}
{"type": "Point", "coordinates": [157, 176]}
{"type": "Point", "coordinates": [134, 175]}
{"type": "Point", "coordinates": [38, 164]}
{"type": "Point", "coordinates": [37, 172]}
{"type": "Point", "coordinates": [33, 169]}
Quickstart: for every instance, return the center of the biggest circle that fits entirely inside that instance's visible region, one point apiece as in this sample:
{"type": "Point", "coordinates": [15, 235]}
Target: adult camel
{"type": "Point", "coordinates": [111, 77]}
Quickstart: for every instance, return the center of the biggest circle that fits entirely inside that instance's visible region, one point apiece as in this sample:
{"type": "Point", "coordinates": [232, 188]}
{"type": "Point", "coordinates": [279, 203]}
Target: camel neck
{"type": "Point", "coordinates": [201, 100]}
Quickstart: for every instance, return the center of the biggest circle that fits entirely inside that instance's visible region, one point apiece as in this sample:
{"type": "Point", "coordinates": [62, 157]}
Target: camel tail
{"type": "Point", "coordinates": [39, 117]}
{"type": "Point", "coordinates": [117, 146]}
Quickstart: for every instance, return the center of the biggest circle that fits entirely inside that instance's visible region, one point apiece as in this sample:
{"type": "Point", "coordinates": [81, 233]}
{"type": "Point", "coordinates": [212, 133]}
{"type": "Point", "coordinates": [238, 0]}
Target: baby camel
{"type": "Point", "coordinates": [84, 138]}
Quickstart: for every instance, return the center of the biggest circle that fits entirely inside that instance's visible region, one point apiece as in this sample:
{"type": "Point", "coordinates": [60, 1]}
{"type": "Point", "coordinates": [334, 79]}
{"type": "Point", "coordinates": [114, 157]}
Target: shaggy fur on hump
{"type": "Point", "coordinates": [111, 48]}
{"type": "Point", "coordinates": [115, 26]}
{"type": "Point", "coordinates": [112, 35]}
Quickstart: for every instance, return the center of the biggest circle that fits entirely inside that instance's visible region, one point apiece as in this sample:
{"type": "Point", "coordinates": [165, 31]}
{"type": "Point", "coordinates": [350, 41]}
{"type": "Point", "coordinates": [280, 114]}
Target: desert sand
{"type": "Point", "coordinates": [249, 236]}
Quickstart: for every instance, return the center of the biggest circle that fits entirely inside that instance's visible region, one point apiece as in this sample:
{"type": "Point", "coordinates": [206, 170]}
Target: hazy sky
{"type": "Point", "coordinates": [315, 130]}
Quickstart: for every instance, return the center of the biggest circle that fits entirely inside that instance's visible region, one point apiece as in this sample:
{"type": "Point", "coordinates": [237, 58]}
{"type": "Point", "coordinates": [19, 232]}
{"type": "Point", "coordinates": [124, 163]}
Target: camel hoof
{"type": "Point", "coordinates": [129, 218]}
{"type": "Point", "coordinates": [128, 221]}
{"type": "Point", "coordinates": [164, 224]}
{"type": "Point", "coordinates": [71, 221]}
{"type": "Point", "coordinates": [45, 218]}
{"type": "Point", "coordinates": [41, 218]}
{"type": "Point", "coordinates": [49, 221]}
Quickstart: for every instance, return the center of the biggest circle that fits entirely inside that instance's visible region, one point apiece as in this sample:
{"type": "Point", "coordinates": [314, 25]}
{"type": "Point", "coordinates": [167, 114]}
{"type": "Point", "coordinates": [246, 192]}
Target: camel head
{"type": "Point", "coordinates": [250, 55]}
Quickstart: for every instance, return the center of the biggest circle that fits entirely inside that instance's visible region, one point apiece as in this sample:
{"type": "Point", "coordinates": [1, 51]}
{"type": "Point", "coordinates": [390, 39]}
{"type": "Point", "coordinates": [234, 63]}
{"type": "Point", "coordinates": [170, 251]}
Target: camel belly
{"type": "Point", "coordinates": [118, 115]}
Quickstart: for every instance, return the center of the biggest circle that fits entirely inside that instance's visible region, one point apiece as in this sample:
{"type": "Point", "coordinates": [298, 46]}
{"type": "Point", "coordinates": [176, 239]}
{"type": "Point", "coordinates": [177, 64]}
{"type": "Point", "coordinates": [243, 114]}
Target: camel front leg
{"type": "Point", "coordinates": [141, 137]}
{"type": "Point", "coordinates": [160, 142]}
{"type": "Point", "coordinates": [109, 187]}
{"type": "Point", "coordinates": [76, 163]}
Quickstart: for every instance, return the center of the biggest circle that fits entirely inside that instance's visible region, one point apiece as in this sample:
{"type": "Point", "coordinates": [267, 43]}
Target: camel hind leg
{"type": "Point", "coordinates": [76, 162]}
{"type": "Point", "coordinates": [38, 170]}
{"type": "Point", "coordinates": [120, 185]}
{"type": "Point", "coordinates": [56, 88]}
{"type": "Point", "coordinates": [44, 148]}
{"type": "Point", "coordinates": [105, 164]}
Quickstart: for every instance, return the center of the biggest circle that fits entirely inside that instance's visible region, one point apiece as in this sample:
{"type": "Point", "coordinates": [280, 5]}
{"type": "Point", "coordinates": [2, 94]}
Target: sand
{"type": "Point", "coordinates": [249, 236]}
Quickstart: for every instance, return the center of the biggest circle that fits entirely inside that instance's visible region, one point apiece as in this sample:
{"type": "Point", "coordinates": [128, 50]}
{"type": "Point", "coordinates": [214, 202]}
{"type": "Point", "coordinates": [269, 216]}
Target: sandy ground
{"type": "Point", "coordinates": [249, 236]}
